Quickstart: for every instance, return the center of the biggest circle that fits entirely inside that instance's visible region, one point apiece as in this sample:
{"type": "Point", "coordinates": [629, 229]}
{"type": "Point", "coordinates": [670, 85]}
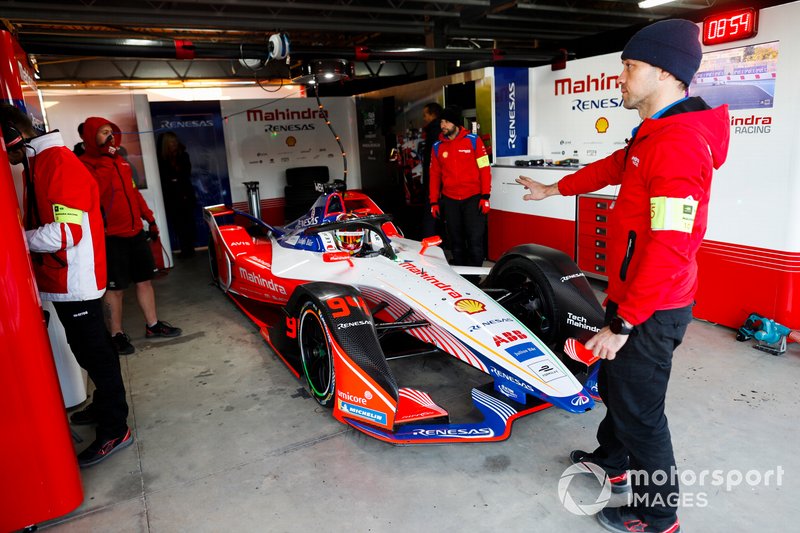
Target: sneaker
{"type": "Point", "coordinates": [162, 329]}
{"type": "Point", "coordinates": [123, 344]}
{"type": "Point", "coordinates": [620, 484]}
{"type": "Point", "coordinates": [85, 417]}
{"type": "Point", "coordinates": [100, 449]}
{"type": "Point", "coordinates": [624, 520]}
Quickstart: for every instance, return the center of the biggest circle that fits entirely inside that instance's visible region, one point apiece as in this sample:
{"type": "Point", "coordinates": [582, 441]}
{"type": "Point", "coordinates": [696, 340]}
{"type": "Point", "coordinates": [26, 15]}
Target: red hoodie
{"type": "Point", "coordinates": [122, 203]}
{"type": "Point", "coordinates": [660, 216]}
{"type": "Point", "coordinates": [460, 168]}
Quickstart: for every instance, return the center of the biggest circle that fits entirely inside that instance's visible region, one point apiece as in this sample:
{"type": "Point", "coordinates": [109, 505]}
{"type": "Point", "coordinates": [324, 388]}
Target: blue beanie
{"type": "Point", "coordinates": [673, 45]}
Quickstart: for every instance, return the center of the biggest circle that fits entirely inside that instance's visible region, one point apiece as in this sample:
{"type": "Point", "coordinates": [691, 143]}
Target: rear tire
{"type": "Point", "coordinates": [316, 355]}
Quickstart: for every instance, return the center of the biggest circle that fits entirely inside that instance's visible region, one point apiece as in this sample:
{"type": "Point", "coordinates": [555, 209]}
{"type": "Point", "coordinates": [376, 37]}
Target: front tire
{"type": "Point", "coordinates": [530, 297]}
{"type": "Point", "coordinates": [316, 355]}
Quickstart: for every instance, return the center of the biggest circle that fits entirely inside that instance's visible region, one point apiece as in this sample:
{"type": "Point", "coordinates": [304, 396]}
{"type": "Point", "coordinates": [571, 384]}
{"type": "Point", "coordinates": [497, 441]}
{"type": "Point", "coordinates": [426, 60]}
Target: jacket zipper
{"type": "Point", "coordinates": [125, 193]}
{"type": "Point", "coordinates": [623, 270]}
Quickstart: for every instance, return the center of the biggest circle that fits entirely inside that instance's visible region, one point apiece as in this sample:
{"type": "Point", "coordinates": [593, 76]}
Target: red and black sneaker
{"type": "Point", "coordinates": [620, 483]}
{"type": "Point", "coordinates": [162, 329]}
{"type": "Point", "coordinates": [101, 448]}
{"type": "Point", "coordinates": [624, 520]}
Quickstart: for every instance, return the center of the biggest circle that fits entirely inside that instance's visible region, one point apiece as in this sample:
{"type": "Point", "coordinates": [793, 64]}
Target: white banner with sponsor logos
{"type": "Point", "coordinates": [265, 137]}
{"type": "Point", "coordinates": [577, 112]}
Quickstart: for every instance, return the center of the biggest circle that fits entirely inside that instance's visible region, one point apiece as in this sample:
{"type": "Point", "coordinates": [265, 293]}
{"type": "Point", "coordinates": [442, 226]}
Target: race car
{"type": "Point", "coordinates": [339, 292]}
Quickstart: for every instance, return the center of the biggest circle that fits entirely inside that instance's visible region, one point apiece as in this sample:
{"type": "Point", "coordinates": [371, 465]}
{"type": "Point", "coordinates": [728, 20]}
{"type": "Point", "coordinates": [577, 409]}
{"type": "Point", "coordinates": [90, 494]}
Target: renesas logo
{"type": "Point", "coordinates": [586, 85]}
{"type": "Point", "coordinates": [599, 103]}
{"type": "Point", "coordinates": [462, 433]}
{"type": "Point", "coordinates": [172, 124]}
{"type": "Point", "coordinates": [751, 124]}
{"type": "Point", "coordinates": [512, 114]}
{"type": "Point", "coordinates": [310, 221]}
{"type": "Point", "coordinates": [261, 282]}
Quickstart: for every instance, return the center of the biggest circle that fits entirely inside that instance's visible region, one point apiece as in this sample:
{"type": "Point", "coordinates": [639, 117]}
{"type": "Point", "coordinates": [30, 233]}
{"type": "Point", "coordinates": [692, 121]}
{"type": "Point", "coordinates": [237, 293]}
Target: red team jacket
{"type": "Point", "coordinates": [459, 168]}
{"type": "Point", "coordinates": [123, 204]}
{"type": "Point", "coordinates": [660, 216]}
{"type": "Point", "coordinates": [67, 244]}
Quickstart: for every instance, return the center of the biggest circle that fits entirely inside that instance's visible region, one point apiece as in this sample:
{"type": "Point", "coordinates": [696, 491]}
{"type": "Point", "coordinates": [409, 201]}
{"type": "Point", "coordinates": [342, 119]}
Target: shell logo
{"type": "Point", "coordinates": [601, 125]}
{"type": "Point", "coordinates": [444, 155]}
{"type": "Point", "coordinates": [291, 140]}
{"type": "Point", "coordinates": [470, 306]}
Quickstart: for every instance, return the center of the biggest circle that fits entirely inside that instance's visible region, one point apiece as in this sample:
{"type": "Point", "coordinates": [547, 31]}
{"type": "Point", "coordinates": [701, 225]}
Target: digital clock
{"type": "Point", "coordinates": [730, 26]}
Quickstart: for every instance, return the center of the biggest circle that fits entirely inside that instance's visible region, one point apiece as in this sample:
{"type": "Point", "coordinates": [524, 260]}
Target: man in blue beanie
{"type": "Point", "coordinates": [654, 231]}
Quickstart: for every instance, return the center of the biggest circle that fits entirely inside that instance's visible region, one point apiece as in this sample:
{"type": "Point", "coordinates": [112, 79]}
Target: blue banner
{"type": "Point", "coordinates": [511, 111]}
{"type": "Point", "coordinates": [198, 126]}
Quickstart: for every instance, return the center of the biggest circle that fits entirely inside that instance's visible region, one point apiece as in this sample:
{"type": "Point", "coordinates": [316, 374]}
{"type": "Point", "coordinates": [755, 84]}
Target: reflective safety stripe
{"type": "Point", "coordinates": [62, 213]}
{"type": "Point", "coordinates": [483, 161]}
{"type": "Point", "coordinates": [676, 214]}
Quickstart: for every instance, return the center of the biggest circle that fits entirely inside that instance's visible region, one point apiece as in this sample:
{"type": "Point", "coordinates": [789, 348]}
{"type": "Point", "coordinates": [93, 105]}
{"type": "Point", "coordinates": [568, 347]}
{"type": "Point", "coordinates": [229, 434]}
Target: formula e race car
{"type": "Point", "coordinates": [339, 292]}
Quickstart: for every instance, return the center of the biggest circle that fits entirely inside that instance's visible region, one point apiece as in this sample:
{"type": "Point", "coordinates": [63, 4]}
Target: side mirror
{"type": "Point", "coordinates": [427, 242]}
{"type": "Point", "coordinates": [335, 257]}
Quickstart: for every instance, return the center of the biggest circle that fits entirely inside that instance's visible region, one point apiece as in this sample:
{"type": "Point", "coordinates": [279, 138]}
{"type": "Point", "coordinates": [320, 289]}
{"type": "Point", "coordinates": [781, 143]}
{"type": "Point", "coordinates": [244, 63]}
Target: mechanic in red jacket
{"type": "Point", "coordinates": [460, 184]}
{"type": "Point", "coordinates": [128, 253]}
{"type": "Point", "coordinates": [655, 229]}
{"type": "Point", "coordinates": [64, 230]}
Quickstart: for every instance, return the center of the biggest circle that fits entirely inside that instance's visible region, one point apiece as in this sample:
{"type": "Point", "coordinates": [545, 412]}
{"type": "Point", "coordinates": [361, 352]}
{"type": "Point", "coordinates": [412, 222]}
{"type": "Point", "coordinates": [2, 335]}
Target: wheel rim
{"type": "Point", "coordinates": [315, 354]}
{"type": "Point", "coordinates": [530, 303]}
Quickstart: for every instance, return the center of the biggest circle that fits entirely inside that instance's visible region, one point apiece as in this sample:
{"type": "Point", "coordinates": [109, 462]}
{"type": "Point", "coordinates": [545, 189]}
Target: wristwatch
{"type": "Point", "coordinates": [618, 327]}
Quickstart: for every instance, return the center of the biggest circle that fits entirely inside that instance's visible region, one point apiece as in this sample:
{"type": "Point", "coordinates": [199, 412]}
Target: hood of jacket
{"type": "Point", "coordinates": [90, 127]}
{"type": "Point", "coordinates": [713, 125]}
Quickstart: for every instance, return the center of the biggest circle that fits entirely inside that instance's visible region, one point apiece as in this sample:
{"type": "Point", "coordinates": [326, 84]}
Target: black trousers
{"type": "Point", "coordinates": [466, 229]}
{"type": "Point", "coordinates": [90, 342]}
{"type": "Point", "coordinates": [634, 434]}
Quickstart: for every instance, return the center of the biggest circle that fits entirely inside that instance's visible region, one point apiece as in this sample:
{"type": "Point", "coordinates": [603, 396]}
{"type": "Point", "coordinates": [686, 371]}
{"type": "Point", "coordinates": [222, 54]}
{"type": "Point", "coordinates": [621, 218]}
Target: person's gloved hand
{"type": "Point", "coordinates": [483, 206]}
{"type": "Point", "coordinates": [152, 231]}
{"type": "Point", "coordinates": [108, 147]}
{"type": "Point", "coordinates": [435, 210]}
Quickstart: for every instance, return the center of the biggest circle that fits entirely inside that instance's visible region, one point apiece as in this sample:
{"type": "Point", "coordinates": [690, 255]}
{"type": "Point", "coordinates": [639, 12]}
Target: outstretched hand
{"type": "Point", "coordinates": [537, 191]}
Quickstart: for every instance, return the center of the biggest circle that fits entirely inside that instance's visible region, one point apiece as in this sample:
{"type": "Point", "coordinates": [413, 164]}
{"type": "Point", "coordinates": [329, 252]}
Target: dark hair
{"type": "Point", "coordinates": [80, 129]}
{"type": "Point", "coordinates": [434, 109]}
{"type": "Point", "coordinates": [16, 117]}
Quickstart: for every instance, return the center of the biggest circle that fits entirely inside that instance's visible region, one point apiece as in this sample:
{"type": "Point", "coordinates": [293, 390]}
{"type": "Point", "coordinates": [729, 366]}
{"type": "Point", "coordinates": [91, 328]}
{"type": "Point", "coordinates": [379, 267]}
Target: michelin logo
{"type": "Point", "coordinates": [362, 412]}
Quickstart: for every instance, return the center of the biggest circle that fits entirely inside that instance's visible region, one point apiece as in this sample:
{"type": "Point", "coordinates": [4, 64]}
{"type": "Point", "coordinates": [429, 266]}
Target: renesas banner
{"type": "Point", "coordinates": [511, 111]}
{"type": "Point", "coordinates": [265, 137]}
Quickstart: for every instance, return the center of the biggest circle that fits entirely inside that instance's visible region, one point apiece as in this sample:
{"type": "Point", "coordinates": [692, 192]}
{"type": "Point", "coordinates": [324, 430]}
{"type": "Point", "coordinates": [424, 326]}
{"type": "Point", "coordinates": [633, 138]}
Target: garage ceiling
{"type": "Point", "coordinates": [109, 42]}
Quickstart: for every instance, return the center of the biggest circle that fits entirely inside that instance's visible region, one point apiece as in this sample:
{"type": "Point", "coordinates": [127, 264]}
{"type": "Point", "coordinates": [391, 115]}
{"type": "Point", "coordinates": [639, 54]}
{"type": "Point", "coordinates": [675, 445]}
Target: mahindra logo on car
{"type": "Point", "coordinates": [431, 279]}
{"type": "Point", "coordinates": [258, 280]}
{"type": "Point", "coordinates": [579, 400]}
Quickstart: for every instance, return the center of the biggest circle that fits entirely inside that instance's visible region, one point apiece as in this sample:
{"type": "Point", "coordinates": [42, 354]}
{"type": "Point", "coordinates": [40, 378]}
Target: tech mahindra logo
{"type": "Point", "coordinates": [431, 279]}
{"type": "Point", "coordinates": [259, 115]}
{"type": "Point", "coordinates": [258, 280]}
{"type": "Point", "coordinates": [589, 84]}
{"type": "Point", "coordinates": [512, 114]}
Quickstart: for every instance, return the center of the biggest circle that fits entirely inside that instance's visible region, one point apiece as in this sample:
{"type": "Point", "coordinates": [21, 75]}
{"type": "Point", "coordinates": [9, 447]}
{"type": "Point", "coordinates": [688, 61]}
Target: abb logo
{"type": "Point", "coordinates": [509, 336]}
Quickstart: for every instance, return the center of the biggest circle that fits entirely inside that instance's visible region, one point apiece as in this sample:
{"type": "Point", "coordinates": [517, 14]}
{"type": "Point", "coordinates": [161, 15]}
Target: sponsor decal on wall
{"type": "Point", "coordinates": [511, 111]}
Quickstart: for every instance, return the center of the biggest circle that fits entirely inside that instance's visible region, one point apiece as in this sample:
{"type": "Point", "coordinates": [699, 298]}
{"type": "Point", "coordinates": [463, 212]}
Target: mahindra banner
{"type": "Point", "coordinates": [511, 111]}
{"type": "Point", "coordinates": [265, 137]}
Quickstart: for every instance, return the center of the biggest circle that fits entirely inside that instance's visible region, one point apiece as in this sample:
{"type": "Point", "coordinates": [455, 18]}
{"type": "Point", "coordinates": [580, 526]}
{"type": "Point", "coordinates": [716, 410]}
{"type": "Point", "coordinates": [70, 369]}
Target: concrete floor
{"type": "Point", "coordinates": [227, 439]}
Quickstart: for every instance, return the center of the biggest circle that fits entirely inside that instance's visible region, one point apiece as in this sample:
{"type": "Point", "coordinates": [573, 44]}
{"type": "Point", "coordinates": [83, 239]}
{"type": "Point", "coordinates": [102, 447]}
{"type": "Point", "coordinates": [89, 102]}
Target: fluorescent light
{"type": "Point", "coordinates": [653, 3]}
